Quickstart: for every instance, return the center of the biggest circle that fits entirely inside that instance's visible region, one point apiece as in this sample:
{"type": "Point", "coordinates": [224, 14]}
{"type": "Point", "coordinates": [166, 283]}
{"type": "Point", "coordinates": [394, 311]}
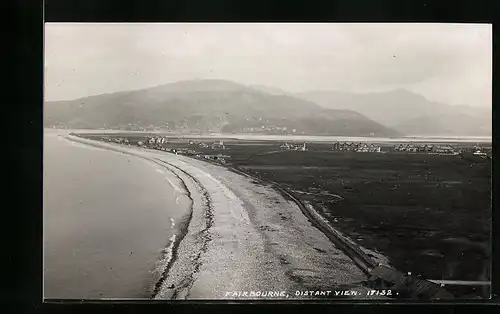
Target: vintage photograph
{"type": "Point", "coordinates": [278, 161]}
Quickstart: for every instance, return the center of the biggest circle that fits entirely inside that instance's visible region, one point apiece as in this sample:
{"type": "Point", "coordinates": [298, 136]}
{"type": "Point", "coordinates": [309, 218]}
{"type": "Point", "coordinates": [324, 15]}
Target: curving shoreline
{"type": "Point", "coordinates": [246, 237]}
{"type": "Point", "coordinates": [171, 253]}
{"type": "Point", "coordinates": [176, 287]}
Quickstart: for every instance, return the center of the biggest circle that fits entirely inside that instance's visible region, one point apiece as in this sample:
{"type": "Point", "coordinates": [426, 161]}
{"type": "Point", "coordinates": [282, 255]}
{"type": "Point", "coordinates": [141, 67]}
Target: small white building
{"type": "Point", "coordinates": [285, 146]}
{"type": "Point", "coordinates": [218, 144]}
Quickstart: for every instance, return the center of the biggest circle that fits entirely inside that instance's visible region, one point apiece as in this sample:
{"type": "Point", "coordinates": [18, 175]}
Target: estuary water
{"type": "Point", "coordinates": [107, 218]}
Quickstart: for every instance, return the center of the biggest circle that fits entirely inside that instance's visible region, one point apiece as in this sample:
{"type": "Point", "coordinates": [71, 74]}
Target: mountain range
{"type": "Point", "coordinates": [199, 106]}
{"type": "Point", "coordinates": [224, 106]}
{"type": "Point", "coordinates": [408, 112]}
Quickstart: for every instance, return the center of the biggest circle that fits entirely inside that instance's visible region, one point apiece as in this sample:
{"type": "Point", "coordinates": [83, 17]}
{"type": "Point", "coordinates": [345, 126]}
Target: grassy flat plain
{"type": "Point", "coordinates": [429, 214]}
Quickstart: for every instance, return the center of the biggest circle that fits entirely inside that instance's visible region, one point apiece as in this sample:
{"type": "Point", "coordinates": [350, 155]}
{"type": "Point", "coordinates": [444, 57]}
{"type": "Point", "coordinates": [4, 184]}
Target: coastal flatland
{"type": "Point", "coordinates": [428, 214]}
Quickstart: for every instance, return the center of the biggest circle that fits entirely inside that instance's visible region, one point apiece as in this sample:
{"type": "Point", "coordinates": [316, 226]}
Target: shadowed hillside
{"type": "Point", "coordinates": [209, 106]}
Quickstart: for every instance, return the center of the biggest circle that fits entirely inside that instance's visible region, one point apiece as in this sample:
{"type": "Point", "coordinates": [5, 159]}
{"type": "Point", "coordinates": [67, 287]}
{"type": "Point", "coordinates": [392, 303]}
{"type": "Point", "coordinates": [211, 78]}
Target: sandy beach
{"type": "Point", "coordinates": [242, 237]}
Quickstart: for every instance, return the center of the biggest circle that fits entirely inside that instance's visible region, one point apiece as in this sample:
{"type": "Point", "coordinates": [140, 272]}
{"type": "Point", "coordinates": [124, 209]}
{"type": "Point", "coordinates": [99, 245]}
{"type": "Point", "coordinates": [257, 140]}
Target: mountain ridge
{"type": "Point", "coordinates": [408, 112]}
{"type": "Point", "coordinates": [211, 105]}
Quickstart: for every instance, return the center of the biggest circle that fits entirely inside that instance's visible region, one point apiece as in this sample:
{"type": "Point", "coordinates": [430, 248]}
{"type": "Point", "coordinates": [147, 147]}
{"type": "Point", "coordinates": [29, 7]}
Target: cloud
{"type": "Point", "coordinates": [97, 58]}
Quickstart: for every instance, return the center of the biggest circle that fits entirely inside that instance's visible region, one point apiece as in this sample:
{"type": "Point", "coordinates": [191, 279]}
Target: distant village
{"type": "Point", "coordinates": [361, 147]}
{"type": "Point", "coordinates": [201, 149]}
{"type": "Point", "coordinates": [299, 147]}
{"type": "Point", "coordinates": [439, 149]}
{"type": "Point", "coordinates": [159, 143]}
{"type": "Point", "coordinates": [426, 148]}
{"type": "Point", "coordinates": [407, 148]}
{"type": "Point", "coordinates": [356, 147]}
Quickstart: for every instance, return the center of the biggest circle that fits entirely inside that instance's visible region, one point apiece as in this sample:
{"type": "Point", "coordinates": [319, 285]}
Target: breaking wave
{"type": "Point", "coordinates": [167, 254]}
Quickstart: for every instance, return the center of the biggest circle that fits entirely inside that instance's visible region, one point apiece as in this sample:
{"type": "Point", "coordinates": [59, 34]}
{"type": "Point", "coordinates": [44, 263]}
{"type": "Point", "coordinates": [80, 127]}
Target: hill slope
{"type": "Point", "coordinates": [208, 106]}
{"type": "Point", "coordinates": [408, 112]}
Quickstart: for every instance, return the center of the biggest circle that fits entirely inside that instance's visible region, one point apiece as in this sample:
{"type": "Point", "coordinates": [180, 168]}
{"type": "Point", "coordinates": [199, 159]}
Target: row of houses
{"type": "Point", "coordinates": [200, 144]}
{"type": "Point", "coordinates": [158, 140]}
{"type": "Point", "coordinates": [219, 158]}
{"type": "Point", "coordinates": [413, 148]}
{"type": "Point", "coordinates": [298, 147]}
{"type": "Point", "coordinates": [118, 140]}
{"type": "Point", "coordinates": [185, 151]}
{"type": "Point", "coordinates": [356, 147]}
{"type": "Point", "coordinates": [215, 145]}
{"type": "Point", "coordinates": [425, 148]}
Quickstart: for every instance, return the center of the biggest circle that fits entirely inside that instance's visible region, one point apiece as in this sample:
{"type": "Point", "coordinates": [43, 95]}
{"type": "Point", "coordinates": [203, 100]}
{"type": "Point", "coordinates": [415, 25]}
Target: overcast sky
{"type": "Point", "coordinates": [449, 63]}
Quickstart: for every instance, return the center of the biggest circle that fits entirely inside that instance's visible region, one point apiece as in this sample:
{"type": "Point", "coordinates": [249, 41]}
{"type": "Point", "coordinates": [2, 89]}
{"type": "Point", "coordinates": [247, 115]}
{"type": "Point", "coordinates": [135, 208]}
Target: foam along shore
{"type": "Point", "coordinates": [244, 236]}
